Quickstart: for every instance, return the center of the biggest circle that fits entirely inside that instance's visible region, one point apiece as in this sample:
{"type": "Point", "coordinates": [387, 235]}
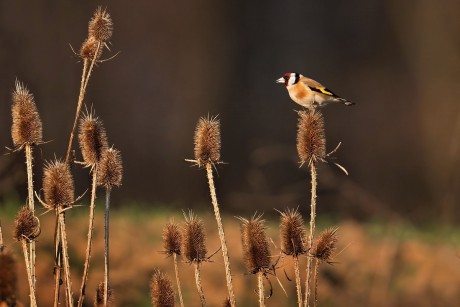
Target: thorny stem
{"type": "Point", "coordinates": [58, 261]}
{"type": "Point", "coordinates": [79, 105]}
{"type": "Point", "coordinates": [316, 281]}
{"type": "Point", "coordinates": [312, 231]}
{"type": "Point", "coordinates": [93, 61]}
{"type": "Point", "coordinates": [260, 284]}
{"type": "Point", "coordinates": [198, 284]}
{"type": "Point", "coordinates": [297, 280]}
{"type": "Point", "coordinates": [106, 238]}
{"type": "Point", "coordinates": [30, 190]}
{"type": "Point", "coordinates": [228, 273]}
{"type": "Point", "coordinates": [90, 237]}
{"type": "Point", "coordinates": [179, 290]}
{"type": "Point", "coordinates": [33, 301]}
{"type": "Point", "coordinates": [65, 258]}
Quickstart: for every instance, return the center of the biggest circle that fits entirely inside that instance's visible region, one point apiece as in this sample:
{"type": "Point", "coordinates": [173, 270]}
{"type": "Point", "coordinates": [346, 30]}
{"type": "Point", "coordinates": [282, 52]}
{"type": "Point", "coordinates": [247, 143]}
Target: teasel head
{"type": "Point", "coordinates": [110, 171]}
{"type": "Point", "coordinates": [207, 141]}
{"type": "Point", "coordinates": [193, 239]}
{"type": "Point", "coordinates": [100, 26]}
{"type": "Point", "coordinates": [293, 233]}
{"type": "Point", "coordinates": [93, 139]}
{"type": "Point", "coordinates": [8, 278]}
{"type": "Point", "coordinates": [311, 140]}
{"type": "Point", "coordinates": [256, 250]}
{"type": "Point", "coordinates": [89, 48]}
{"type": "Point", "coordinates": [27, 125]}
{"type": "Point", "coordinates": [161, 290]}
{"type": "Point", "coordinates": [58, 185]}
{"type": "Point", "coordinates": [325, 245]}
{"type": "Point", "coordinates": [172, 239]}
{"type": "Point", "coordinates": [26, 225]}
{"type": "Point", "coordinates": [99, 297]}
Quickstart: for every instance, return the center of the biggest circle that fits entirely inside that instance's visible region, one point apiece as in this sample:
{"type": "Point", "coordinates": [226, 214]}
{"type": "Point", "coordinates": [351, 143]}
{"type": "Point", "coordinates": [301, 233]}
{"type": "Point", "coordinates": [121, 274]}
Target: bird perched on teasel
{"type": "Point", "coordinates": [309, 93]}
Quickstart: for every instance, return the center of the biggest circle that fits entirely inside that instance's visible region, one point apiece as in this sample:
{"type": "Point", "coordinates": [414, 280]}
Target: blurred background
{"type": "Point", "coordinates": [180, 60]}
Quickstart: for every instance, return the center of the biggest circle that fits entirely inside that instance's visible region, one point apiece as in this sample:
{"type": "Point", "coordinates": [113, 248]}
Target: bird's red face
{"type": "Point", "coordinates": [289, 79]}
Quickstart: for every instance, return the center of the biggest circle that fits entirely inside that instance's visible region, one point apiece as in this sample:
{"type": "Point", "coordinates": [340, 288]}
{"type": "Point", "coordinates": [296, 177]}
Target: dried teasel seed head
{"type": "Point", "coordinates": [99, 297]}
{"type": "Point", "coordinates": [27, 125]}
{"type": "Point", "coordinates": [193, 239]}
{"type": "Point", "coordinates": [58, 185]}
{"type": "Point", "coordinates": [207, 141]}
{"type": "Point", "coordinates": [311, 141]}
{"type": "Point", "coordinates": [161, 290]}
{"type": "Point", "coordinates": [293, 233]}
{"type": "Point", "coordinates": [92, 138]}
{"type": "Point", "coordinates": [100, 26]}
{"type": "Point", "coordinates": [172, 239]}
{"type": "Point", "coordinates": [110, 170]}
{"type": "Point", "coordinates": [26, 225]}
{"type": "Point", "coordinates": [256, 250]}
{"type": "Point", "coordinates": [325, 245]}
{"type": "Point", "coordinates": [8, 278]}
{"type": "Point", "coordinates": [88, 49]}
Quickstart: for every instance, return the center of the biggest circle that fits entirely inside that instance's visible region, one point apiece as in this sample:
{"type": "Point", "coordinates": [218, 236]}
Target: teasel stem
{"type": "Point", "coordinates": [297, 280]}
{"type": "Point", "coordinates": [33, 301]}
{"type": "Point", "coordinates": [312, 230]}
{"type": "Point", "coordinates": [30, 189]}
{"type": "Point", "coordinates": [58, 261]}
{"type": "Point", "coordinates": [179, 290]}
{"type": "Point", "coordinates": [220, 227]}
{"type": "Point", "coordinates": [65, 258]}
{"type": "Point", "coordinates": [90, 238]}
{"type": "Point", "coordinates": [198, 283]}
{"type": "Point", "coordinates": [316, 281]}
{"type": "Point", "coordinates": [260, 283]}
{"type": "Point", "coordinates": [106, 238]}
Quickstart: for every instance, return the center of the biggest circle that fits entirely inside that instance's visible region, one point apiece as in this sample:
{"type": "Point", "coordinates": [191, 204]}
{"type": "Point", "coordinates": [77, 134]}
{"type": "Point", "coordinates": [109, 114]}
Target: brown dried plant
{"type": "Point", "coordinates": [161, 290]}
{"type": "Point", "coordinates": [99, 298]}
{"type": "Point", "coordinates": [207, 154]}
{"type": "Point", "coordinates": [172, 240]}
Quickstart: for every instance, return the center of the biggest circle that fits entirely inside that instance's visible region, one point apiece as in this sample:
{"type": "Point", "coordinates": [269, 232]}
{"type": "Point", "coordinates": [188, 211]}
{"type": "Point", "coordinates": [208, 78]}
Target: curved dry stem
{"type": "Point", "coordinates": [198, 284]}
{"type": "Point", "coordinates": [312, 231]}
{"type": "Point", "coordinates": [90, 238]}
{"type": "Point", "coordinates": [106, 239]}
{"type": "Point", "coordinates": [30, 190]}
{"type": "Point", "coordinates": [33, 301]}
{"type": "Point", "coordinates": [260, 287]}
{"type": "Point", "coordinates": [297, 280]}
{"type": "Point", "coordinates": [58, 261]}
{"type": "Point", "coordinates": [220, 227]}
{"type": "Point", "coordinates": [65, 259]}
{"type": "Point", "coordinates": [179, 290]}
{"type": "Point", "coordinates": [316, 281]}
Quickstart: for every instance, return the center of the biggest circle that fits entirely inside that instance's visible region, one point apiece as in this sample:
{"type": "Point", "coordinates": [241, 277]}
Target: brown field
{"type": "Point", "coordinates": [376, 264]}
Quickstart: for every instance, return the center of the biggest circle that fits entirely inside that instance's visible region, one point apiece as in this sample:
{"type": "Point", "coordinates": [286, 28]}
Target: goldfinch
{"type": "Point", "coordinates": [309, 93]}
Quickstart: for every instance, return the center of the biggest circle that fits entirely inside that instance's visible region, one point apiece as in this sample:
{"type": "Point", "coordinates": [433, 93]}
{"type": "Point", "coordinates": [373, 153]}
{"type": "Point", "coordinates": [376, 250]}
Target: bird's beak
{"type": "Point", "coordinates": [280, 80]}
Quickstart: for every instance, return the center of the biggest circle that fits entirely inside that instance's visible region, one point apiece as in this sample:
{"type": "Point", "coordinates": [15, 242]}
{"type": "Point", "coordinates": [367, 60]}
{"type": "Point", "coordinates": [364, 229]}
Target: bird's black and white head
{"type": "Point", "coordinates": [289, 79]}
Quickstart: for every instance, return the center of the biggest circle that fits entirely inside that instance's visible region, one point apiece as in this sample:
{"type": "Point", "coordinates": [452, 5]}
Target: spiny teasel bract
{"type": "Point", "coordinates": [293, 233]}
{"type": "Point", "coordinates": [99, 297]}
{"type": "Point", "coordinates": [92, 138]}
{"type": "Point", "coordinates": [256, 250]}
{"type": "Point", "coordinates": [110, 170]}
{"type": "Point", "coordinates": [172, 239]}
{"type": "Point", "coordinates": [27, 225]}
{"type": "Point", "coordinates": [27, 125]}
{"type": "Point", "coordinates": [58, 185]}
{"type": "Point", "coordinates": [325, 245]}
{"type": "Point", "coordinates": [207, 141]}
{"type": "Point", "coordinates": [88, 49]}
{"type": "Point", "coordinates": [161, 290]}
{"type": "Point", "coordinates": [193, 239]}
{"type": "Point", "coordinates": [8, 278]}
{"type": "Point", "coordinates": [311, 140]}
{"type": "Point", "coordinates": [100, 26]}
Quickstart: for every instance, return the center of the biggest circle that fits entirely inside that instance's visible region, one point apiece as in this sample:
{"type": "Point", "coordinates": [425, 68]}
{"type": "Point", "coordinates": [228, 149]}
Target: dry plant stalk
{"type": "Point", "coordinates": [311, 147]}
{"type": "Point", "coordinates": [109, 175]}
{"type": "Point", "coordinates": [161, 290]}
{"type": "Point", "coordinates": [27, 228]}
{"type": "Point", "coordinates": [26, 131]}
{"type": "Point", "coordinates": [93, 143]}
{"type": "Point", "coordinates": [293, 234]}
{"type": "Point", "coordinates": [207, 154]}
{"type": "Point", "coordinates": [58, 188]}
{"type": "Point", "coordinates": [172, 240]}
{"type": "Point", "coordinates": [256, 250]}
{"type": "Point", "coordinates": [194, 248]}
{"type": "Point", "coordinates": [322, 251]}
{"type": "Point", "coordinates": [99, 298]}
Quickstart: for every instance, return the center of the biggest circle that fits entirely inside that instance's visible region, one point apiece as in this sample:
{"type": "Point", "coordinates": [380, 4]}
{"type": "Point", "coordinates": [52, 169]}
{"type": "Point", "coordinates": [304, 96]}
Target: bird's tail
{"type": "Point", "coordinates": [345, 102]}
